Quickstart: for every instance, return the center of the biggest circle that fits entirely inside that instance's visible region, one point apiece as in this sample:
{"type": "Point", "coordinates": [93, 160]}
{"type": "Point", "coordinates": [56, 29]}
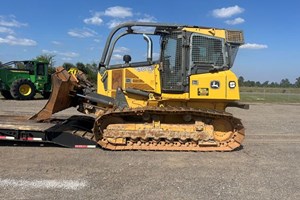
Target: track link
{"type": "Point", "coordinates": [168, 129]}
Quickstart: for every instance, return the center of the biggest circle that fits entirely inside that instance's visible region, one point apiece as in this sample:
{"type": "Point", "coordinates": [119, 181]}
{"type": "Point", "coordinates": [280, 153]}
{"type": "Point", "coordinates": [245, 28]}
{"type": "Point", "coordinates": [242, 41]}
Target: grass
{"type": "Point", "coordinates": [270, 90]}
{"type": "Point", "coordinates": [270, 95]}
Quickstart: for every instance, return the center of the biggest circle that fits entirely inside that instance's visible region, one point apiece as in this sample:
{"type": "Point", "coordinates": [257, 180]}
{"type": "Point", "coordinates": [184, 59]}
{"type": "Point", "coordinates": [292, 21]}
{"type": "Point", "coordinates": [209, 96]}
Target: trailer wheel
{"type": "Point", "coordinates": [22, 89]}
{"type": "Point", "coordinates": [6, 94]}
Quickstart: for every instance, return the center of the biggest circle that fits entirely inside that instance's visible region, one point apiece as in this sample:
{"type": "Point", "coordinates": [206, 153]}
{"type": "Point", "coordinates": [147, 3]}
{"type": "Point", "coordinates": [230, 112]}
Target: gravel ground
{"type": "Point", "coordinates": [267, 167]}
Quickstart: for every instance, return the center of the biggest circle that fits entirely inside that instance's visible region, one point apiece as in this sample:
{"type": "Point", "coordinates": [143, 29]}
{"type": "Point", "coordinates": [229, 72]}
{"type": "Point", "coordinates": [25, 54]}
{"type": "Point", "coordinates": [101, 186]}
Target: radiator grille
{"type": "Point", "coordinates": [235, 37]}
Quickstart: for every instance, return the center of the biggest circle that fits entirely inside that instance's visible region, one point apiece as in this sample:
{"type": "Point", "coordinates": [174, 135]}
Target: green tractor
{"type": "Point", "coordinates": [23, 79]}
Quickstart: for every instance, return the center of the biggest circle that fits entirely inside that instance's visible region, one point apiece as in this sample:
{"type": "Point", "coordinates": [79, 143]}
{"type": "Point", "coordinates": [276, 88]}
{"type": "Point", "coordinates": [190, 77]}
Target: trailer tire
{"type": "Point", "coordinates": [6, 94]}
{"type": "Point", "coordinates": [22, 89]}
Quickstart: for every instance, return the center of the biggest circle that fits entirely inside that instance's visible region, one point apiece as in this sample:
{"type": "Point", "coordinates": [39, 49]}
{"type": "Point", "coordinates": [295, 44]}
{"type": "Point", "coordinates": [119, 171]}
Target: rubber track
{"type": "Point", "coordinates": [134, 144]}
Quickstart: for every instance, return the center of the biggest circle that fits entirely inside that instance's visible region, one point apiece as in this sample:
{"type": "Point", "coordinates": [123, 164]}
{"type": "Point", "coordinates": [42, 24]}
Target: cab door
{"type": "Point", "coordinates": [172, 72]}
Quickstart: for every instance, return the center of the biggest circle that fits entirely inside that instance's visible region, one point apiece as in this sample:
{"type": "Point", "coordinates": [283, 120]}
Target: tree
{"type": "Point", "coordinates": [81, 67]}
{"type": "Point", "coordinates": [274, 85]}
{"type": "Point", "coordinates": [265, 84]}
{"type": "Point", "coordinates": [241, 81]}
{"type": "Point", "coordinates": [47, 58]}
{"type": "Point", "coordinates": [285, 83]}
{"type": "Point", "coordinates": [249, 83]}
{"type": "Point", "coordinates": [67, 66]}
{"type": "Point", "coordinates": [257, 84]}
{"type": "Point", "coordinates": [297, 83]}
{"type": "Point", "coordinates": [89, 69]}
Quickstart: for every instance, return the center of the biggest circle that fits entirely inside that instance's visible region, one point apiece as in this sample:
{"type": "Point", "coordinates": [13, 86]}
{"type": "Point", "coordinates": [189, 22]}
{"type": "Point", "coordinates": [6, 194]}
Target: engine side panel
{"type": "Point", "coordinates": [221, 86]}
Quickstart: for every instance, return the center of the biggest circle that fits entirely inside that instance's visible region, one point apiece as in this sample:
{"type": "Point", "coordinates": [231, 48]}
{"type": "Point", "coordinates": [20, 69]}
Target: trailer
{"type": "Point", "coordinates": [72, 132]}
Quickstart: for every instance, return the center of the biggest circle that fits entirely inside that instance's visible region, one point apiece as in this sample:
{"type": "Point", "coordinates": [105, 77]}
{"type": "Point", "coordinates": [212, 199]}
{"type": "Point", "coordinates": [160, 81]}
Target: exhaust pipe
{"type": "Point", "coordinates": [149, 47]}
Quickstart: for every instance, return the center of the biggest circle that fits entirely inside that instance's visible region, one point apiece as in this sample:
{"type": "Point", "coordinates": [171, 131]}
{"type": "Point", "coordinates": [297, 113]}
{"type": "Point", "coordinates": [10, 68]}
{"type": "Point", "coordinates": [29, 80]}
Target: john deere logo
{"type": "Point", "coordinates": [215, 84]}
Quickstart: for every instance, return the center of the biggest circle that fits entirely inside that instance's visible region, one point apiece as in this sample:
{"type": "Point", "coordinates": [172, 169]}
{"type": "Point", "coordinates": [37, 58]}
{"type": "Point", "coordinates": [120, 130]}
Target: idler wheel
{"type": "Point", "coordinates": [223, 129]}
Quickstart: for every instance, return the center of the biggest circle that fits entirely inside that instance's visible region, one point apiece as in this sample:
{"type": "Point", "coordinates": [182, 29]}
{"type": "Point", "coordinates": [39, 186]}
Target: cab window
{"type": "Point", "coordinates": [40, 70]}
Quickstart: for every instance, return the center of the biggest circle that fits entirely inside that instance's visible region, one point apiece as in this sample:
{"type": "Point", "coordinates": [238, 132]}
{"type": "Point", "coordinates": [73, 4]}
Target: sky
{"type": "Point", "coordinates": [76, 30]}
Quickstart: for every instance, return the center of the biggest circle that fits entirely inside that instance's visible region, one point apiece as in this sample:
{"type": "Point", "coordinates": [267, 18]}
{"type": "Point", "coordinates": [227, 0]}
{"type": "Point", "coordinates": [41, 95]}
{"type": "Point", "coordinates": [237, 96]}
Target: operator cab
{"type": "Point", "coordinates": [184, 51]}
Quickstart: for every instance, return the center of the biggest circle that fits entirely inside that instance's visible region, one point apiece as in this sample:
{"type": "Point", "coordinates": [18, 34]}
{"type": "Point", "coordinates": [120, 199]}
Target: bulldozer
{"type": "Point", "coordinates": [176, 102]}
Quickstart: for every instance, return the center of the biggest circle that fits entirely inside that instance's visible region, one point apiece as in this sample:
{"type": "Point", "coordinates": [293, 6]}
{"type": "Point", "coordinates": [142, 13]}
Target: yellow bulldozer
{"type": "Point", "coordinates": [176, 102]}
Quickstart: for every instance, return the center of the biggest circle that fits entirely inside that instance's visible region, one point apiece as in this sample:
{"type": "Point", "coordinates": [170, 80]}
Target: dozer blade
{"type": "Point", "coordinates": [60, 99]}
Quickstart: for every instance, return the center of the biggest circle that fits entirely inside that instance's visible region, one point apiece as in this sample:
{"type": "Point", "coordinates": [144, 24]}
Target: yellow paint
{"type": "Point", "coordinates": [25, 90]}
{"type": "Point", "coordinates": [100, 84]}
{"type": "Point", "coordinates": [232, 93]}
{"type": "Point", "coordinates": [209, 82]}
{"type": "Point", "coordinates": [168, 96]}
{"type": "Point", "coordinates": [73, 71]}
{"type": "Point", "coordinates": [203, 91]}
{"type": "Point", "coordinates": [221, 33]}
{"type": "Point", "coordinates": [116, 140]}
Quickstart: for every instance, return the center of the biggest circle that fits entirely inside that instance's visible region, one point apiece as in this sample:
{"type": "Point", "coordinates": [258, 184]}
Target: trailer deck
{"type": "Point", "coordinates": [72, 132]}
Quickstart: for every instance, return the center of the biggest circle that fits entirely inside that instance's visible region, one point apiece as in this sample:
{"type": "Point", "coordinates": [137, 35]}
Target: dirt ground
{"type": "Point", "coordinates": [267, 167]}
